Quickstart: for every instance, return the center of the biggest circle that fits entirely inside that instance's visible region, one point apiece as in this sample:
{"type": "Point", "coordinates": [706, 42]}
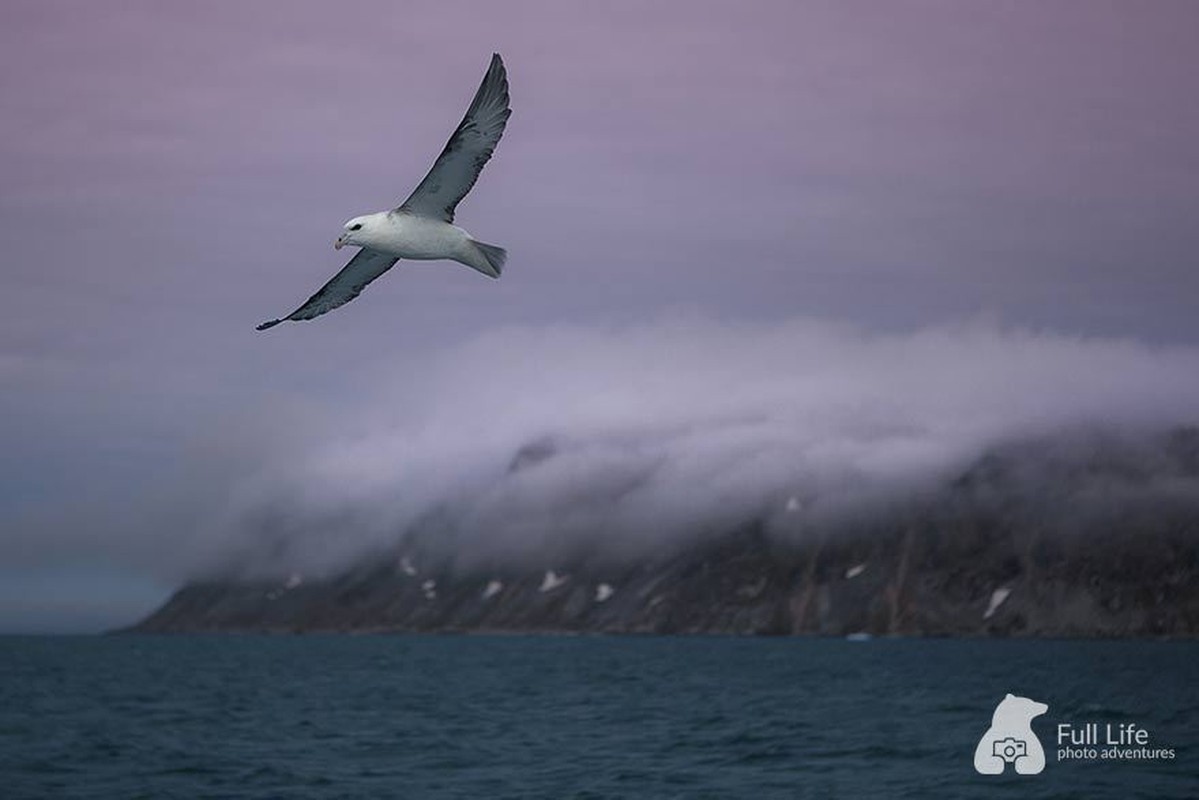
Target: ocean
{"type": "Point", "coordinates": [576, 716]}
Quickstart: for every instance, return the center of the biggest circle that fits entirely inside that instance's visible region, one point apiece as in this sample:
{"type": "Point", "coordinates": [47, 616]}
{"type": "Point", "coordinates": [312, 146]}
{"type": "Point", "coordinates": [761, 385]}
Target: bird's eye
{"type": "Point", "coordinates": [356, 227]}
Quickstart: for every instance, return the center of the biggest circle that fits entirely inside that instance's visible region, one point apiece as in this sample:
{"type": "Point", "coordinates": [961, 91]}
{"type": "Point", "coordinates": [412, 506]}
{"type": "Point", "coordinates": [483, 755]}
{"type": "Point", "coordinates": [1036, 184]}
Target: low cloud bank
{"type": "Point", "coordinates": [530, 442]}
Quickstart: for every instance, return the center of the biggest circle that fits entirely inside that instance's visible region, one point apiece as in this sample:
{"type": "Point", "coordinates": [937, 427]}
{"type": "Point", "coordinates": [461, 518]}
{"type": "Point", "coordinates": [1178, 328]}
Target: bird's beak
{"type": "Point", "coordinates": [340, 243]}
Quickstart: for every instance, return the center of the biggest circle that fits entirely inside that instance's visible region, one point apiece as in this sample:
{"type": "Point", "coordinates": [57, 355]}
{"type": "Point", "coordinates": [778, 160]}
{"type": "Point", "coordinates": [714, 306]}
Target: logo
{"type": "Point", "coordinates": [1010, 739]}
{"type": "Point", "coordinates": [1010, 749]}
{"type": "Point", "coordinates": [1124, 741]}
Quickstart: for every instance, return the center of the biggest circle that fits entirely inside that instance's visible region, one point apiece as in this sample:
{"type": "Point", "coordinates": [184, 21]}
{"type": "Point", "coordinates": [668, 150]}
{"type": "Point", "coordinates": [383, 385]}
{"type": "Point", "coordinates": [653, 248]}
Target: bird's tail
{"type": "Point", "coordinates": [494, 256]}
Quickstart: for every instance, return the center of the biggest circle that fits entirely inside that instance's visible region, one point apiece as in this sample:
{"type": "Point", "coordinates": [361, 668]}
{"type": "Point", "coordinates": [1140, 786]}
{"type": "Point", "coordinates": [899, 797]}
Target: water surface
{"type": "Point", "coordinates": [586, 717]}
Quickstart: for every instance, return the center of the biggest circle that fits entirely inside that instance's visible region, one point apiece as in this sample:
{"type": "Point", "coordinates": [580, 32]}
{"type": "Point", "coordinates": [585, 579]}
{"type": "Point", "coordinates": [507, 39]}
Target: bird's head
{"type": "Point", "coordinates": [354, 232]}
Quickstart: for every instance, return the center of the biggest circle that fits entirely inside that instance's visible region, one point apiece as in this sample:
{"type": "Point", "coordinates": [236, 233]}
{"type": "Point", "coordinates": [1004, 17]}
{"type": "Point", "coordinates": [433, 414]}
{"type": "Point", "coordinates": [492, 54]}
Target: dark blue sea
{"type": "Point", "coordinates": [581, 717]}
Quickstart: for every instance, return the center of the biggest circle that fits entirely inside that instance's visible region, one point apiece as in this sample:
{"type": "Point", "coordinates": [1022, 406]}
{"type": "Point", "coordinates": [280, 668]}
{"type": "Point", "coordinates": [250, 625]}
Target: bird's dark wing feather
{"type": "Point", "coordinates": [342, 288]}
{"type": "Point", "coordinates": [459, 165]}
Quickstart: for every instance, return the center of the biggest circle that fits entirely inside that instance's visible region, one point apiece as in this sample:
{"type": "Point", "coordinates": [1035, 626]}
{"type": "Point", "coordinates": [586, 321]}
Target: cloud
{"type": "Point", "coordinates": [528, 442]}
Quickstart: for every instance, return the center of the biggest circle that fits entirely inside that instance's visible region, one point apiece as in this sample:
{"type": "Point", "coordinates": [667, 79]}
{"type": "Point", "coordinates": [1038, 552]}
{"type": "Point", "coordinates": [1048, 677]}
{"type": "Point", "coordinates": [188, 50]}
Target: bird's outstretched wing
{"type": "Point", "coordinates": [342, 287]}
{"type": "Point", "coordinates": [459, 165]}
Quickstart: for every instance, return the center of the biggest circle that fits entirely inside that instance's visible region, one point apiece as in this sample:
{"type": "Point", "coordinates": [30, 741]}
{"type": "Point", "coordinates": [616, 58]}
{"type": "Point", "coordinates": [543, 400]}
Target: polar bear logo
{"type": "Point", "coordinates": [1010, 739]}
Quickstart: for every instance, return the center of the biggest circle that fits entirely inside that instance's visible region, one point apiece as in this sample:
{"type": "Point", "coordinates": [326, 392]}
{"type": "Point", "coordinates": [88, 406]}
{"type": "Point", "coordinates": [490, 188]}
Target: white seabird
{"type": "Point", "coordinates": [422, 227]}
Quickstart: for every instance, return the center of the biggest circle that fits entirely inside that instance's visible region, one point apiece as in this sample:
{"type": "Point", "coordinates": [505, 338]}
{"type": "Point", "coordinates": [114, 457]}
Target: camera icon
{"type": "Point", "coordinates": [1009, 749]}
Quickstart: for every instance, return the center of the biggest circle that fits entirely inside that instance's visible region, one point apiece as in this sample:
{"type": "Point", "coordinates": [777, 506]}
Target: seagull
{"type": "Point", "coordinates": [422, 228]}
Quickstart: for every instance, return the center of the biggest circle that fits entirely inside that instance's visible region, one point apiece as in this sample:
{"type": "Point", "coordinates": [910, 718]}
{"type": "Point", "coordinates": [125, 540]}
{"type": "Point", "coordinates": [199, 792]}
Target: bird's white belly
{"type": "Point", "coordinates": [413, 237]}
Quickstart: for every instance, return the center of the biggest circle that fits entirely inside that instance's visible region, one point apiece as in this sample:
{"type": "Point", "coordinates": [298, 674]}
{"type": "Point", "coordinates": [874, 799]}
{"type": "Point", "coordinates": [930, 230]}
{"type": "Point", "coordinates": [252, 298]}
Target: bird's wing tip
{"type": "Point", "coordinates": [272, 323]}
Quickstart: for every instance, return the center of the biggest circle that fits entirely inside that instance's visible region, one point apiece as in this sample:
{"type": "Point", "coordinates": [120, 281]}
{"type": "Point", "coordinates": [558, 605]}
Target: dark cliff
{"type": "Point", "coordinates": [1030, 540]}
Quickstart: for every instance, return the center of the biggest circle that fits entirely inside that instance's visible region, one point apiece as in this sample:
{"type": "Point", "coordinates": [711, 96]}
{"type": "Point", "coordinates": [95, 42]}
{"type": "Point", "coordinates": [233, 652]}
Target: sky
{"type": "Point", "coordinates": [714, 212]}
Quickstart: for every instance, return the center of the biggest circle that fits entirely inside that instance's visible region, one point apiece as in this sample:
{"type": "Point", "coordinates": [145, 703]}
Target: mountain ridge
{"type": "Point", "coordinates": [1042, 538]}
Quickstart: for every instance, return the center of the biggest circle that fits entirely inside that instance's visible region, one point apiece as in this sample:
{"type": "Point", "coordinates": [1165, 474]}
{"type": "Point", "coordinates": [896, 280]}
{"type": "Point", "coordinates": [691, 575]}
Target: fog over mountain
{"type": "Point", "coordinates": [528, 442]}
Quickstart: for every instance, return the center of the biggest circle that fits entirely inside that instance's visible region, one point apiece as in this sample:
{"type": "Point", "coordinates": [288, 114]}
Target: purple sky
{"type": "Point", "coordinates": [174, 173]}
